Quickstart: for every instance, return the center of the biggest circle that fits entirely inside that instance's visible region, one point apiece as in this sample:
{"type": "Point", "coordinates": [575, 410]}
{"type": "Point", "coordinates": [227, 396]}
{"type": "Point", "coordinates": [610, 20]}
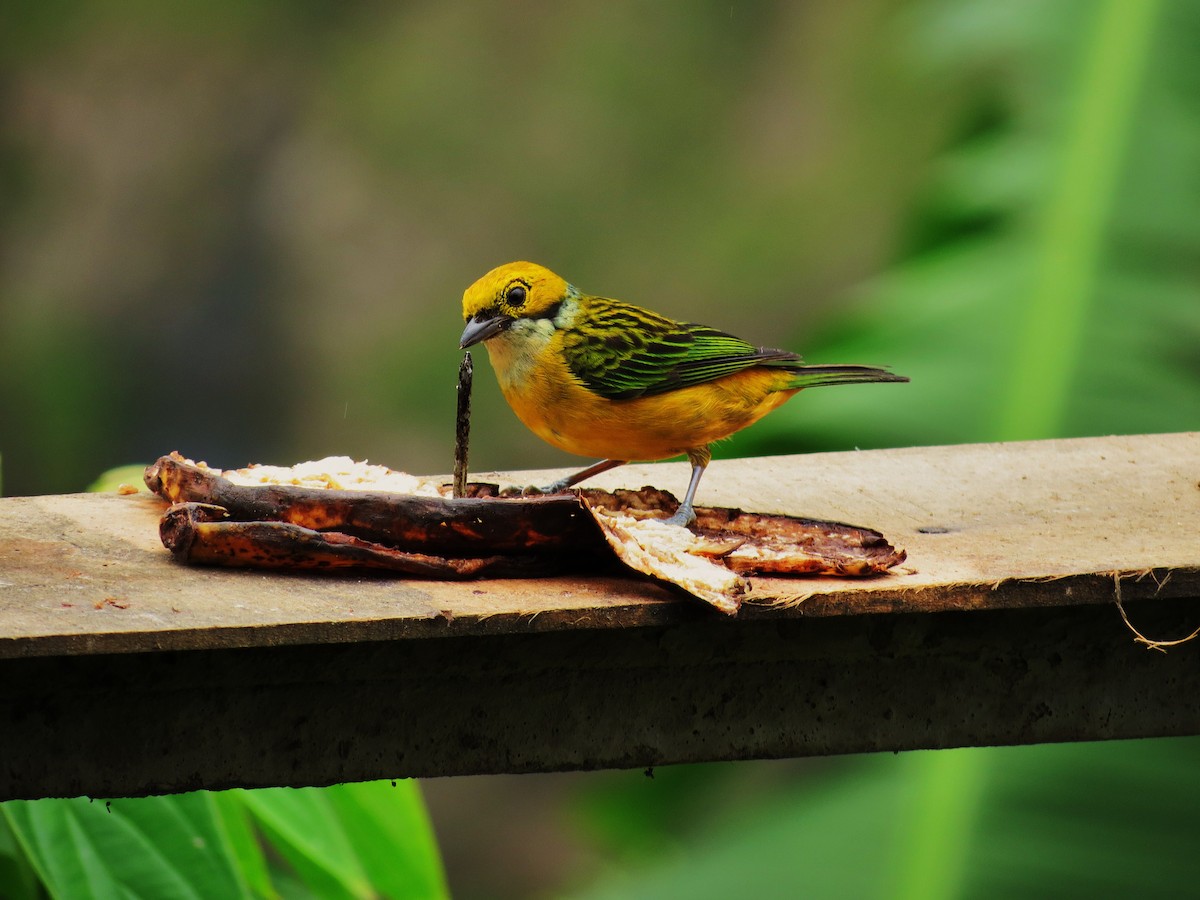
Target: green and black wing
{"type": "Point", "coordinates": [627, 352]}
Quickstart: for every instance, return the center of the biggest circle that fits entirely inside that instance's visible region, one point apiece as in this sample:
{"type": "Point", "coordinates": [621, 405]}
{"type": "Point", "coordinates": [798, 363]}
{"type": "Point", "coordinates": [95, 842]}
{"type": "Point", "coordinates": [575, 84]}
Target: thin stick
{"type": "Point", "coordinates": [462, 426]}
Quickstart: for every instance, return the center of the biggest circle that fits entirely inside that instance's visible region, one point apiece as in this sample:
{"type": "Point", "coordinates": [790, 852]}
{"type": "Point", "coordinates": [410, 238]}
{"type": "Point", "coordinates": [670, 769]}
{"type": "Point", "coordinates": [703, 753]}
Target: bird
{"type": "Point", "coordinates": [598, 377]}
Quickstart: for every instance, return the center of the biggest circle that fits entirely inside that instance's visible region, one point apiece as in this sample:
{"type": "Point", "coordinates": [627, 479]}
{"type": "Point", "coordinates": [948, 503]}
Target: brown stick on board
{"type": "Point", "coordinates": [462, 427]}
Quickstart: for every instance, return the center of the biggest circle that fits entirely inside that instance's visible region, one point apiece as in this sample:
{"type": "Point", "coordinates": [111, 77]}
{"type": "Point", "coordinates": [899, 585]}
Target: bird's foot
{"type": "Point", "coordinates": [683, 517]}
{"type": "Point", "coordinates": [558, 487]}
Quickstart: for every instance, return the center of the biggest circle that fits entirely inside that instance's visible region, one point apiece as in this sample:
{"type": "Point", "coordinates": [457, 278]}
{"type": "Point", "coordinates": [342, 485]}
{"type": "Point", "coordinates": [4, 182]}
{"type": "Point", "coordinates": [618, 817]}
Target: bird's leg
{"type": "Point", "coordinates": [571, 480]}
{"type": "Point", "coordinates": [699, 458]}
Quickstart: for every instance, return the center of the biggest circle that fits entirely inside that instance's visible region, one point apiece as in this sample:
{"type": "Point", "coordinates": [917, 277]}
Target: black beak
{"type": "Point", "coordinates": [485, 325]}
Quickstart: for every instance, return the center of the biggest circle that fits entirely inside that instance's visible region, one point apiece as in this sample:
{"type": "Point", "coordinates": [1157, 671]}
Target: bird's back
{"type": "Point", "coordinates": [622, 351]}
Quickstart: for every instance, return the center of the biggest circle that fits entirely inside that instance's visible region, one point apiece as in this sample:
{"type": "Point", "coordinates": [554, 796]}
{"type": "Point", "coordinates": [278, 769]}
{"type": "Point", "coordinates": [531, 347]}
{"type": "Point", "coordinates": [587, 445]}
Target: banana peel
{"type": "Point", "coordinates": [214, 520]}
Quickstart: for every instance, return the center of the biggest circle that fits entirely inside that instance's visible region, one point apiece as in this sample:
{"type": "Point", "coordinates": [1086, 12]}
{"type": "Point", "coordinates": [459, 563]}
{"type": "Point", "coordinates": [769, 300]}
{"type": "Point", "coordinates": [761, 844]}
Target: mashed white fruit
{"type": "Point", "coordinates": [334, 473]}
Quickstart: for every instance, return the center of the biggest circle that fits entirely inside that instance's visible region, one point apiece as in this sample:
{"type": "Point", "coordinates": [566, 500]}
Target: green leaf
{"type": "Point", "coordinates": [1069, 246]}
{"type": "Point", "coordinates": [1089, 820]}
{"type": "Point", "coordinates": [18, 880]}
{"type": "Point", "coordinates": [390, 829]}
{"type": "Point", "coordinates": [114, 478]}
{"type": "Point", "coordinates": [1114, 819]}
{"type": "Point", "coordinates": [804, 841]}
{"type": "Point", "coordinates": [302, 826]}
{"type": "Point", "coordinates": [168, 847]}
{"type": "Point", "coordinates": [1053, 292]}
{"type": "Point", "coordinates": [352, 841]}
{"type": "Point", "coordinates": [243, 842]}
{"type": "Point", "coordinates": [929, 858]}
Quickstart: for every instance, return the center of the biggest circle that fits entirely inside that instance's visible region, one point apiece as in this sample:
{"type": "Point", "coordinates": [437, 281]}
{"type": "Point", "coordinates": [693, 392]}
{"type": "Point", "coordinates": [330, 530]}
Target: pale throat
{"type": "Point", "coordinates": [517, 352]}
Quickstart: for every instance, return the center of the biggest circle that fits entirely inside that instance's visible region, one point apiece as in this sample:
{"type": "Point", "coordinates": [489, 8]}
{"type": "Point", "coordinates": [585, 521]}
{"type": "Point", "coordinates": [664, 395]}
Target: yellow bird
{"type": "Point", "coordinates": [601, 378]}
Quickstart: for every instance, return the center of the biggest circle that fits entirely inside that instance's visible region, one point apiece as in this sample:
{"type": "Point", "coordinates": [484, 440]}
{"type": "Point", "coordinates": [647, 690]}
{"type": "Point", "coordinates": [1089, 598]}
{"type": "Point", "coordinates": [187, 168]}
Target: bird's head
{"type": "Point", "coordinates": [509, 294]}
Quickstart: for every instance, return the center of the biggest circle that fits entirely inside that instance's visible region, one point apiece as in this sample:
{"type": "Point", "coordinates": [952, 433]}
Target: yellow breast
{"type": "Point", "coordinates": [562, 411]}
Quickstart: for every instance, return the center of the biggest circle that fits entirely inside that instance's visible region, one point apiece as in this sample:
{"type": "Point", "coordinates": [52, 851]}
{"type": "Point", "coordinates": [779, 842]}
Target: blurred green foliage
{"type": "Point", "coordinates": [369, 840]}
{"type": "Point", "coordinates": [1051, 286]}
{"type": "Point", "coordinates": [242, 231]}
{"type": "Point", "coordinates": [1063, 821]}
{"type": "Point", "coordinates": [120, 478]}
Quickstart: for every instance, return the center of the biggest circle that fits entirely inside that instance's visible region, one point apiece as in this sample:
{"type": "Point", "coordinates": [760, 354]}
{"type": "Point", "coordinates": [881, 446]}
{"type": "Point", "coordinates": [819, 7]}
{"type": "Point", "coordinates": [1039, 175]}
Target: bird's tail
{"type": "Point", "coordinates": [815, 376]}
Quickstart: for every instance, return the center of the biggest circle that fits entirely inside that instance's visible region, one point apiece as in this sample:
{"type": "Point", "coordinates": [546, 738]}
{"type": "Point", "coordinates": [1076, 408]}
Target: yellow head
{"type": "Point", "coordinates": [509, 293]}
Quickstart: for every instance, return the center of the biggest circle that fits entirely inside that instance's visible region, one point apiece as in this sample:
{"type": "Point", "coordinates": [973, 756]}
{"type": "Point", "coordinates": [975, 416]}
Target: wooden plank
{"type": "Point", "coordinates": [124, 673]}
{"type": "Point", "coordinates": [986, 526]}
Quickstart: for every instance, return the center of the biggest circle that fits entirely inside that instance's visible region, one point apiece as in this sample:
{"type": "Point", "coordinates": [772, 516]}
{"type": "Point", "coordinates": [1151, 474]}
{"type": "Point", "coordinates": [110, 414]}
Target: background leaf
{"type": "Point", "coordinates": [18, 880]}
{"type": "Point", "coordinates": [1075, 218]}
{"type": "Point", "coordinates": [303, 827]}
{"type": "Point", "coordinates": [168, 847]}
{"type": "Point", "coordinates": [388, 826]}
{"type": "Point", "coordinates": [122, 475]}
{"type": "Point", "coordinates": [1050, 288]}
{"type": "Point", "coordinates": [243, 843]}
{"type": "Point", "coordinates": [1084, 820]}
{"type": "Point", "coordinates": [359, 840]}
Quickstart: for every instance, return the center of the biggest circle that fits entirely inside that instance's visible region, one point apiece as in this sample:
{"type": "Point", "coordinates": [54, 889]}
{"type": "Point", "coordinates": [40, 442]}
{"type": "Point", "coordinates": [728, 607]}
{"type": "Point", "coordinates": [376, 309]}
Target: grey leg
{"type": "Point", "coordinates": [686, 515]}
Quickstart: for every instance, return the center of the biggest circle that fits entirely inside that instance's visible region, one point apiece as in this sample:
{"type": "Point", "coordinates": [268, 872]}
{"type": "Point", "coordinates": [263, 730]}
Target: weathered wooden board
{"type": "Point", "coordinates": [985, 526]}
{"type": "Point", "coordinates": [124, 673]}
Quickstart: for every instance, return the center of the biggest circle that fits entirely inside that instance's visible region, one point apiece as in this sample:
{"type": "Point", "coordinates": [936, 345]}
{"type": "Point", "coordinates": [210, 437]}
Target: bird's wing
{"type": "Point", "coordinates": [622, 351]}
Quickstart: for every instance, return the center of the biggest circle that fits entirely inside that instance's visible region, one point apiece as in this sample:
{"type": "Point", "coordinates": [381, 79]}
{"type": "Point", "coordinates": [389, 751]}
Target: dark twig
{"type": "Point", "coordinates": [462, 426]}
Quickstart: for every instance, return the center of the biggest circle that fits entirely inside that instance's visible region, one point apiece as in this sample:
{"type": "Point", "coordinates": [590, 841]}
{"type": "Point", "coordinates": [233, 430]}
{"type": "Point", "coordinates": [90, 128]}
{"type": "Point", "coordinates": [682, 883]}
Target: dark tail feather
{"type": "Point", "coordinates": [815, 376]}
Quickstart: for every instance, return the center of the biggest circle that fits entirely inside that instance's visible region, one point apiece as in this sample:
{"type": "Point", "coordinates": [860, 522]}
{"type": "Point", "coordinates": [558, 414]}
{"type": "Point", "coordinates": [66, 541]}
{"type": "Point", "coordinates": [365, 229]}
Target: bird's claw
{"type": "Point", "coordinates": [532, 490]}
{"type": "Point", "coordinates": [558, 487]}
{"type": "Point", "coordinates": [683, 517]}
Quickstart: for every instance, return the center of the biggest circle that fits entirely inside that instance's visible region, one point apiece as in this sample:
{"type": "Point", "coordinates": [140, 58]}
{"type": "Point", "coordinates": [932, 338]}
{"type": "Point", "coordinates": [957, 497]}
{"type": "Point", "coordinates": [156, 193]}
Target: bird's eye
{"type": "Point", "coordinates": [516, 295]}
